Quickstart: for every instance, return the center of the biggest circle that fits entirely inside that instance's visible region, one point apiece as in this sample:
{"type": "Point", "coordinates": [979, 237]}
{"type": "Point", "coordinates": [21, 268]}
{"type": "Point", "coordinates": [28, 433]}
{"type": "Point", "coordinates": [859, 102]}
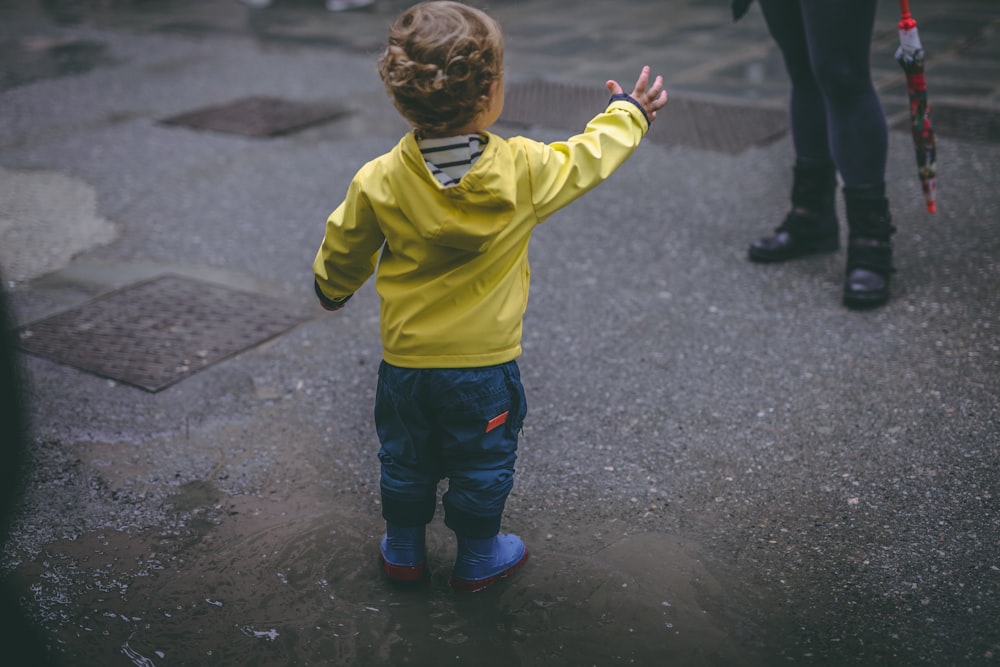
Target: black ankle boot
{"type": "Point", "coordinates": [869, 250]}
{"type": "Point", "coordinates": [811, 226]}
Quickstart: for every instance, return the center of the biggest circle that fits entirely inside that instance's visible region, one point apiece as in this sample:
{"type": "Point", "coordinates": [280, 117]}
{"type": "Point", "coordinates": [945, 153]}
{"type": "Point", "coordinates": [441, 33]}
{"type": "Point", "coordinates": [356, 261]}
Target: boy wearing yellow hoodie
{"type": "Point", "coordinates": [444, 220]}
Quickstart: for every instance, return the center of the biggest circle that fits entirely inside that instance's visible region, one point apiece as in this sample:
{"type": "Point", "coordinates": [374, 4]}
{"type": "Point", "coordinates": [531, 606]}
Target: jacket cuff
{"type": "Point", "coordinates": [628, 98]}
{"type": "Point", "coordinates": [330, 304]}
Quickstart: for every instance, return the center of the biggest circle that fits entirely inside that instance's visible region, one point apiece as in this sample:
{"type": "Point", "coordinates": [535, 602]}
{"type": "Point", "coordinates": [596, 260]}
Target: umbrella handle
{"type": "Point", "coordinates": [906, 21]}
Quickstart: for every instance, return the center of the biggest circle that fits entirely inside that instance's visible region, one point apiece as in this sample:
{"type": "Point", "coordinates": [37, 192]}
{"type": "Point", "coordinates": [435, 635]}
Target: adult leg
{"type": "Point", "coordinates": [839, 34]}
{"type": "Point", "coordinates": [807, 107]}
{"type": "Point", "coordinates": [811, 225]}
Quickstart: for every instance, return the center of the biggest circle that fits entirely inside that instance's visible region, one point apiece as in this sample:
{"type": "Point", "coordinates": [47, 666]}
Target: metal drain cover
{"type": "Point", "coordinates": [259, 116]}
{"type": "Point", "coordinates": [155, 333]}
{"type": "Point", "coordinates": [726, 128]}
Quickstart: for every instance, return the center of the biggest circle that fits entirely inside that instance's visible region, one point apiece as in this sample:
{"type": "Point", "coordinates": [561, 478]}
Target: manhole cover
{"type": "Point", "coordinates": [259, 116]}
{"type": "Point", "coordinates": [155, 333]}
{"type": "Point", "coordinates": [966, 123]}
{"type": "Point", "coordinates": [726, 128]}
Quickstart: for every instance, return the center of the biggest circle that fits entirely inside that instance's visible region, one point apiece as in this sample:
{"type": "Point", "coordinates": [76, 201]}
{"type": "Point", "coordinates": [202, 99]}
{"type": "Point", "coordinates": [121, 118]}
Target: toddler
{"type": "Point", "coordinates": [444, 220]}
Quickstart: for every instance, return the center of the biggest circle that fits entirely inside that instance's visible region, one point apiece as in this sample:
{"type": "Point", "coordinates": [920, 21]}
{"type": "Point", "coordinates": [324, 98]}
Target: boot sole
{"type": "Point", "coordinates": [401, 573]}
{"type": "Point", "coordinates": [476, 585]}
{"type": "Point", "coordinates": [859, 302]}
{"type": "Point", "coordinates": [767, 257]}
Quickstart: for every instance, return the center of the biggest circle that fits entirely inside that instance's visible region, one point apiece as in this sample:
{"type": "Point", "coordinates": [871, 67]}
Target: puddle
{"type": "Point", "coordinates": [46, 218]}
{"type": "Point", "coordinates": [255, 582]}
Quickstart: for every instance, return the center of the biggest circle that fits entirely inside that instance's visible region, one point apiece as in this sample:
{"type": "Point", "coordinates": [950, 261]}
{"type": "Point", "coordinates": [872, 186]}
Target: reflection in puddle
{"type": "Point", "coordinates": [267, 589]}
{"type": "Point", "coordinates": [642, 600]}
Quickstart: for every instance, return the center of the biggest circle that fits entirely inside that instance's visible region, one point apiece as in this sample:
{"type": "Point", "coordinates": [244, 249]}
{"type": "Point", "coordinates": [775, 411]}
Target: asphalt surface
{"type": "Point", "coordinates": [721, 464]}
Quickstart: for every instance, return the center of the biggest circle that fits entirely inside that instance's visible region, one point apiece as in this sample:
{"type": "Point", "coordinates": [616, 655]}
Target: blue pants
{"type": "Point", "coordinates": [460, 423]}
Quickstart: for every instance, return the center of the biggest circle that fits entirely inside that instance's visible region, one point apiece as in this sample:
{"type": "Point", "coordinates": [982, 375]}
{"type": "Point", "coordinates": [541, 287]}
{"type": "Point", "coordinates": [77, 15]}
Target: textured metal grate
{"type": "Point", "coordinates": [259, 116]}
{"type": "Point", "coordinates": [155, 333]}
{"type": "Point", "coordinates": [726, 128]}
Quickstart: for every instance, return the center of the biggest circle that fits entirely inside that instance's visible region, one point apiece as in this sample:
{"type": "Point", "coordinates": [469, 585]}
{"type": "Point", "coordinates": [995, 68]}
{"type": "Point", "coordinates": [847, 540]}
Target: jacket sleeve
{"type": "Point", "coordinates": [350, 248]}
{"type": "Point", "coordinates": [565, 170]}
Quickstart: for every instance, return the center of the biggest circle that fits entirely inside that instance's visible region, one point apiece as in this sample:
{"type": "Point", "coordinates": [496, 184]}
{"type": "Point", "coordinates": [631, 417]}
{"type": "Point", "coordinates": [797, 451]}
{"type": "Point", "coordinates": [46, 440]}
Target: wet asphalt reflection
{"type": "Point", "coordinates": [720, 465]}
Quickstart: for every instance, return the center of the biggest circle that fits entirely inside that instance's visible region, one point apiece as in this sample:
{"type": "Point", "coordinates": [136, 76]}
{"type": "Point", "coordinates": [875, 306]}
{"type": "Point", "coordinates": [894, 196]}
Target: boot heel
{"type": "Point", "coordinates": [403, 573]}
{"type": "Point", "coordinates": [402, 552]}
{"type": "Point", "coordinates": [482, 562]}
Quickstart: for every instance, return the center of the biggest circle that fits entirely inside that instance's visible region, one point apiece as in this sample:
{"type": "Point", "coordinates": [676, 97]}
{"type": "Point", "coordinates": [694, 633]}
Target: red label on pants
{"type": "Point", "coordinates": [499, 420]}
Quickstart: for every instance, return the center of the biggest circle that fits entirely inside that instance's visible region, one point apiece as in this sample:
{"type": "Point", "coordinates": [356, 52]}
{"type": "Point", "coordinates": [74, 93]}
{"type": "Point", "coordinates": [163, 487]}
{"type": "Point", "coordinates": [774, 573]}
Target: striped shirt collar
{"type": "Point", "coordinates": [451, 158]}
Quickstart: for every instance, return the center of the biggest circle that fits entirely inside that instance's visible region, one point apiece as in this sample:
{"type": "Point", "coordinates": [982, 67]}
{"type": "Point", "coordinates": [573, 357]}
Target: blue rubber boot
{"type": "Point", "coordinates": [402, 552]}
{"type": "Point", "coordinates": [481, 562]}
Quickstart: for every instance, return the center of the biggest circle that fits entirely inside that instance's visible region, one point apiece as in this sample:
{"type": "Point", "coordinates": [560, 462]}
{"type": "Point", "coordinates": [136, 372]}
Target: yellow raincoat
{"type": "Point", "coordinates": [452, 262]}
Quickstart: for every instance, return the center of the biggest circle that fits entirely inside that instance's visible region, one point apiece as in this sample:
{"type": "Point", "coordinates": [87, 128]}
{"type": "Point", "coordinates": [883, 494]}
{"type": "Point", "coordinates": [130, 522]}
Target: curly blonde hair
{"type": "Point", "coordinates": [439, 63]}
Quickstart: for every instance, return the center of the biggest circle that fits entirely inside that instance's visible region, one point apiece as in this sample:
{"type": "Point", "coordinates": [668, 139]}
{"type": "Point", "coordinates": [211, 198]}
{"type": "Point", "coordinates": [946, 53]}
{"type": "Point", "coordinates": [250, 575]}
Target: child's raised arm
{"type": "Point", "coordinates": [651, 97]}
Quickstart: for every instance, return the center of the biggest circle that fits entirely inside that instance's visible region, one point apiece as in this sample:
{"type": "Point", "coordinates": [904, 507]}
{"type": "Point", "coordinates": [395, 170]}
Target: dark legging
{"type": "Point", "coordinates": [836, 114]}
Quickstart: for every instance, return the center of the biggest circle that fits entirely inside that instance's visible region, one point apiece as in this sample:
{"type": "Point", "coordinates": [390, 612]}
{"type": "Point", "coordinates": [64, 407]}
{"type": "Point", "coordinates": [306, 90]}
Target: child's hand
{"type": "Point", "coordinates": [327, 302]}
{"type": "Point", "coordinates": [651, 97]}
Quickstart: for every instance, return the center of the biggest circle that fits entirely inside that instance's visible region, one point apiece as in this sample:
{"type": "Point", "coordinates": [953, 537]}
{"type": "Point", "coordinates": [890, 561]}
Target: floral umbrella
{"type": "Point", "coordinates": [910, 56]}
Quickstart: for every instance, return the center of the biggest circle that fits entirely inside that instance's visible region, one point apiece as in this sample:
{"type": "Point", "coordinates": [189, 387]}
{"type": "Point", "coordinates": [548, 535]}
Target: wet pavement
{"type": "Point", "coordinates": [721, 465]}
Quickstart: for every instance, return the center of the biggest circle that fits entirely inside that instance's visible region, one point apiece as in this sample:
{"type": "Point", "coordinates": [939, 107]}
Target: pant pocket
{"type": "Point", "coordinates": [518, 404]}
